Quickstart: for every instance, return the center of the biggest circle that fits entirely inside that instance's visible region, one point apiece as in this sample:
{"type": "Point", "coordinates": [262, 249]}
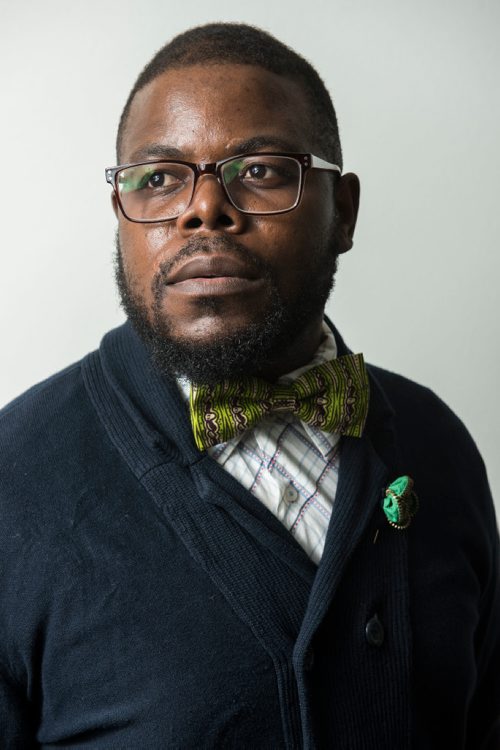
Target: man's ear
{"type": "Point", "coordinates": [346, 206]}
{"type": "Point", "coordinates": [114, 203]}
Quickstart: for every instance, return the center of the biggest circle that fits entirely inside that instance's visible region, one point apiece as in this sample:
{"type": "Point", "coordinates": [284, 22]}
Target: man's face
{"type": "Point", "coordinates": [215, 280]}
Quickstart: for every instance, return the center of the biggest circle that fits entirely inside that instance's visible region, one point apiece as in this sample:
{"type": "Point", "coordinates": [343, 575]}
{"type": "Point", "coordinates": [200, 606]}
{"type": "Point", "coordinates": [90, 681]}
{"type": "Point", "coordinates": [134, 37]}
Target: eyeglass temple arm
{"type": "Point", "coordinates": [318, 163]}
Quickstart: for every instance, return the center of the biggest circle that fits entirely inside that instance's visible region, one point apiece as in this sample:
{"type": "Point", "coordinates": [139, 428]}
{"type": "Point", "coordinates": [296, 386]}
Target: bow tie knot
{"type": "Point", "coordinates": [332, 396]}
{"type": "Point", "coordinates": [283, 402]}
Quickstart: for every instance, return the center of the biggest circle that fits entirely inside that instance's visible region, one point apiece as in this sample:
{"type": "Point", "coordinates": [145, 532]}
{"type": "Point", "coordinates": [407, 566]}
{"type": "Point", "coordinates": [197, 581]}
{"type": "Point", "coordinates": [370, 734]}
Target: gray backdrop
{"type": "Point", "coordinates": [416, 86]}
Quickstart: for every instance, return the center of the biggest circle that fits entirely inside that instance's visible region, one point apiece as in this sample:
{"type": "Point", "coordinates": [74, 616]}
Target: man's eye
{"type": "Point", "coordinates": [157, 179]}
{"type": "Point", "coordinates": [258, 172]}
{"type": "Point", "coordinates": [160, 180]}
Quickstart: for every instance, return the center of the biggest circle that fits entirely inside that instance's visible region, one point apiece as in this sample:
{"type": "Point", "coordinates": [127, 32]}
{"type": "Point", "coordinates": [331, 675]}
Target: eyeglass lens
{"type": "Point", "coordinates": [255, 184]}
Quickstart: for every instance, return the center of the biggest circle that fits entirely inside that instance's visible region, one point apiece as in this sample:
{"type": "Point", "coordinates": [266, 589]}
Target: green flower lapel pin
{"type": "Point", "coordinates": [400, 502]}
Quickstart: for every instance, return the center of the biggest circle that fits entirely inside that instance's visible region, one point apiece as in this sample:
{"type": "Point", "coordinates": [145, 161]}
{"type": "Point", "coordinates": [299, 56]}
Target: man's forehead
{"type": "Point", "coordinates": [209, 77]}
{"type": "Point", "coordinates": [218, 101]}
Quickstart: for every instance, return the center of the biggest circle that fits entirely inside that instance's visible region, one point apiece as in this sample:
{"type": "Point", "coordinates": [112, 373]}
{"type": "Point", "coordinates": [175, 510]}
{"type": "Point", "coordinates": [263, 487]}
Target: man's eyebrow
{"type": "Point", "coordinates": [155, 151]}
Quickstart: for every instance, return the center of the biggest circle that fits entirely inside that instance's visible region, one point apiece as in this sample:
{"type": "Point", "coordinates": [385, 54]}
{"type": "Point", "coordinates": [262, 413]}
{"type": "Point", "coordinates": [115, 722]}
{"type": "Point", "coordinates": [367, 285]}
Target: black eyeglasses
{"type": "Point", "coordinates": [260, 183]}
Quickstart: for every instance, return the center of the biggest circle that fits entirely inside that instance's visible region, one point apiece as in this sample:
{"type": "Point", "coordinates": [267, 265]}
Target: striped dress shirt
{"type": "Point", "coordinates": [290, 466]}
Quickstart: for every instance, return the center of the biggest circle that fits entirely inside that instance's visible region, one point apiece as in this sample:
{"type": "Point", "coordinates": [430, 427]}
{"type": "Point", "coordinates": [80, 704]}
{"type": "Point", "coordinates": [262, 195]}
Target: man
{"type": "Point", "coordinates": [185, 565]}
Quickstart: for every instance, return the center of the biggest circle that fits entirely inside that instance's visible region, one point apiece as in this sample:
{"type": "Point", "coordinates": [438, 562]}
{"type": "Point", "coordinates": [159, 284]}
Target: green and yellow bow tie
{"type": "Point", "coordinates": [333, 396]}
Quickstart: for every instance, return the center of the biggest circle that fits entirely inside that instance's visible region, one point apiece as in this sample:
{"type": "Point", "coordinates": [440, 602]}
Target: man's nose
{"type": "Point", "coordinates": [210, 209]}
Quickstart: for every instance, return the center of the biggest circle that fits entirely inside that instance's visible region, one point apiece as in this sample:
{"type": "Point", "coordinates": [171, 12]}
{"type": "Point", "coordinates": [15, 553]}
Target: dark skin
{"type": "Point", "coordinates": [204, 114]}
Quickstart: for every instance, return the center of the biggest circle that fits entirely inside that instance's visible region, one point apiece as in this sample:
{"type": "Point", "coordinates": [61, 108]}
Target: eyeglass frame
{"type": "Point", "coordinates": [306, 162]}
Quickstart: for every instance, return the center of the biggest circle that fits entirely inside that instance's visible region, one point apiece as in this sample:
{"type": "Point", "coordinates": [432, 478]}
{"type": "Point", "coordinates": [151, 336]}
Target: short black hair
{"type": "Point", "coordinates": [245, 45]}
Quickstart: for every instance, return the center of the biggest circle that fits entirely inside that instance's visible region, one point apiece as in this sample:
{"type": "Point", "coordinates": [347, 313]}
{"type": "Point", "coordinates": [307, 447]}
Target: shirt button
{"type": "Point", "coordinates": [374, 631]}
{"type": "Point", "coordinates": [290, 495]}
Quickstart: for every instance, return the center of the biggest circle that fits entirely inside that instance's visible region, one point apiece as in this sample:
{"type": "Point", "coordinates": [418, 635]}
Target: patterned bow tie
{"type": "Point", "coordinates": [332, 396]}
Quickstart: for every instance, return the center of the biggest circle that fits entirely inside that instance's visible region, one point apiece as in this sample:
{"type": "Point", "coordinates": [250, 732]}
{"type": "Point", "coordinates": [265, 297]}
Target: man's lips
{"type": "Point", "coordinates": [212, 267]}
{"type": "Point", "coordinates": [211, 275]}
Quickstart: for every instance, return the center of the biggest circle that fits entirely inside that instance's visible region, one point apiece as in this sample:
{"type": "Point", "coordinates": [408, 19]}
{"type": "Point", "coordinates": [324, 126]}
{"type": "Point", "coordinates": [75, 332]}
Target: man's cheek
{"type": "Point", "coordinates": [156, 239]}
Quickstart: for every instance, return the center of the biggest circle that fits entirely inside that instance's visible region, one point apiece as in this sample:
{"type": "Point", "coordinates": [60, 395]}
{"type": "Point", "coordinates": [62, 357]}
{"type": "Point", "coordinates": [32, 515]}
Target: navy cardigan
{"type": "Point", "coordinates": [148, 601]}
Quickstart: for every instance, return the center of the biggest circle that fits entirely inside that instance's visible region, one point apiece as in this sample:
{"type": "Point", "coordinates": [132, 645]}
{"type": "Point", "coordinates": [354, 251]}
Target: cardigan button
{"type": "Point", "coordinates": [308, 660]}
{"type": "Point", "coordinates": [374, 632]}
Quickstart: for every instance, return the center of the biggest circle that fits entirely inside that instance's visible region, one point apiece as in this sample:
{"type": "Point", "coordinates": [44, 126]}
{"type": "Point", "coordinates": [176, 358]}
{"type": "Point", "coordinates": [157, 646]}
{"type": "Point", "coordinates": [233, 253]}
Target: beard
{"type": "Point", "coordinates": [244, 352]}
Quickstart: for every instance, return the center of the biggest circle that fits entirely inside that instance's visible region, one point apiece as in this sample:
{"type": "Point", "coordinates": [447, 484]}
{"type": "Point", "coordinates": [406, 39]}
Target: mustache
{"type": "Point", "coordinates": [208, 245]}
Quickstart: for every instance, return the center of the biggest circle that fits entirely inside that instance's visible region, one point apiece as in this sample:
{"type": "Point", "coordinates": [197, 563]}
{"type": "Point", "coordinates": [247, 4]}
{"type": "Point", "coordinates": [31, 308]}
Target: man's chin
{"type": "Point", "coordinates": [207, 330]}
{"type": "Point", "coordinates": [212, 354]}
